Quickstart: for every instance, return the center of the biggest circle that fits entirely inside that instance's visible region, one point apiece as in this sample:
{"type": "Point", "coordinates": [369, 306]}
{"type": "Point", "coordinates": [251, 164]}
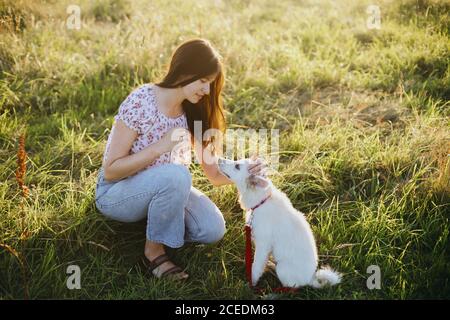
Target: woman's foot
{"type": "Point", "coordinates": [160, 264]}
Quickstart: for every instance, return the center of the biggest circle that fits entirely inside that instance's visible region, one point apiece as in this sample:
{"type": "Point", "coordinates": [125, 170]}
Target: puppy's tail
{"type": "Point", "coordinates": [326, 276]}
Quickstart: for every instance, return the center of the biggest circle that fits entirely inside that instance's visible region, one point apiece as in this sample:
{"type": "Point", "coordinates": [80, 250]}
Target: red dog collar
{"type": "Point", "coordinates": [259, 204]}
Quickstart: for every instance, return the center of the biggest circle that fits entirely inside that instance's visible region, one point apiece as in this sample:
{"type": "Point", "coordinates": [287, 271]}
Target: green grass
{"type": "Point", "coordinates": [365, 137]}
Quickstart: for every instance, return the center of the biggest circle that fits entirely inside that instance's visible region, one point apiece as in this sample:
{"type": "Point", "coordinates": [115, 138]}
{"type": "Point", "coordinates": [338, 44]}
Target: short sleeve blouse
{"type": "Point", "coordinates": [139, 112]}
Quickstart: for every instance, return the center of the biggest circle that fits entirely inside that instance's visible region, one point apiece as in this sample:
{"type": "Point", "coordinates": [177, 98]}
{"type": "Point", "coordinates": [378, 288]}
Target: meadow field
{"type": "Point", "coordinates": [363, 114]}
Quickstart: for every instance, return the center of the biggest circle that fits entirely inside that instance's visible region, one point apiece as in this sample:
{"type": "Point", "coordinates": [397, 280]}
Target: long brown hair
{"type": "Point", "coordinates": [193, 60]}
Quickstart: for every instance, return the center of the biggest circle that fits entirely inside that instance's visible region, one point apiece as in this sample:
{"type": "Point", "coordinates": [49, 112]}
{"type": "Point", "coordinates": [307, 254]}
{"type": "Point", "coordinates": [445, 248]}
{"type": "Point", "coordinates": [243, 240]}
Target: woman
{"type": "Point", "coordinates": [139, 178]}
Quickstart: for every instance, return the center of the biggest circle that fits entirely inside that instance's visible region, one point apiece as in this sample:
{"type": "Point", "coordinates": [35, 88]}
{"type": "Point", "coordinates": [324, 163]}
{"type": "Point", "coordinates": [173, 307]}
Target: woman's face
{"type": "Point", "coordinates": [195, 91]}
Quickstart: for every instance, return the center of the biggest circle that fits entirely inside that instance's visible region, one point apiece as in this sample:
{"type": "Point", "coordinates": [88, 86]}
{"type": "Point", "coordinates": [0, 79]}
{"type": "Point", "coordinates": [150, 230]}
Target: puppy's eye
{"type": "Point", "coordinates": [236, 166]}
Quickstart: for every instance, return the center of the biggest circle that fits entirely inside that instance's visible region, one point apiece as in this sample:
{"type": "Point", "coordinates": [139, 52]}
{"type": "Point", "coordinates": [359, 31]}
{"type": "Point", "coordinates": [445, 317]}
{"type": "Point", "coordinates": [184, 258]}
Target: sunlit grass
{"type": "Point", "coordinates": [363, 117]}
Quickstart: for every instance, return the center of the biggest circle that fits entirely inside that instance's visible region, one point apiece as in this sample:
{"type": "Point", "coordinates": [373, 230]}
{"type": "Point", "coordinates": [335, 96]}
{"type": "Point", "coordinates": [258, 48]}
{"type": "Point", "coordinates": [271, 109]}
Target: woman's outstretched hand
{"type": "Point", "coordinates": [173, 137]}
{"type": "Point", "coordinates": [257, 166]}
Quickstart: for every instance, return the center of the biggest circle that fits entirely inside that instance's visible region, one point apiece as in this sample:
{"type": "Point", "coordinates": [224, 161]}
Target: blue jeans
{"type": "Point", "coordinates": [176, 211]}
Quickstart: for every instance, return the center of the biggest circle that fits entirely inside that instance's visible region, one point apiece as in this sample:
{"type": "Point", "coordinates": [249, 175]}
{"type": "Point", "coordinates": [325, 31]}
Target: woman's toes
{"type": "Point", "coordinates": [181, 276]}
{"type": "Point", "coordinates": [158, 272]}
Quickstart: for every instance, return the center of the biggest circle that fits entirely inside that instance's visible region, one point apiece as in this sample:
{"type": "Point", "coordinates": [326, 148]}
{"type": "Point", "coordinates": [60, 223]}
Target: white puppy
{"type": "Point", "coordinates": [277, 229]}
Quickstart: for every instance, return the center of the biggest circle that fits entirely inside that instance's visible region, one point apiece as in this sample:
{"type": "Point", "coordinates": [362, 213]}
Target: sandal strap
{"type": "Point", "coordinates": [155, 263]}
{"type": "Point", "coordinates": [172, 270]}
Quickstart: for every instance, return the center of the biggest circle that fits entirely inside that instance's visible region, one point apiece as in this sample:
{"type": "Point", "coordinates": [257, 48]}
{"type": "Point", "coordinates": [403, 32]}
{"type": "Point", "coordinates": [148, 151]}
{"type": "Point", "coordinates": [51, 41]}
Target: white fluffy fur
{"type": "Point", "coordinates": [278, 229]}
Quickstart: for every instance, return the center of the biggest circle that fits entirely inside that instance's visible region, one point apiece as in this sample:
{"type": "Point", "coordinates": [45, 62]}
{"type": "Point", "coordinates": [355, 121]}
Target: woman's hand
{"type": "Point", "coordinates": [173, 137]}
{"type": "Point", "coordinates": [257, 166]}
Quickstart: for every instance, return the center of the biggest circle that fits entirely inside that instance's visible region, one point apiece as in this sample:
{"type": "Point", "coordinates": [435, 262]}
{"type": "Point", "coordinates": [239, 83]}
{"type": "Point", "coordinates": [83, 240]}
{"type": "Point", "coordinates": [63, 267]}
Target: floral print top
{"type": "Point", "coordinates": [139, 111]}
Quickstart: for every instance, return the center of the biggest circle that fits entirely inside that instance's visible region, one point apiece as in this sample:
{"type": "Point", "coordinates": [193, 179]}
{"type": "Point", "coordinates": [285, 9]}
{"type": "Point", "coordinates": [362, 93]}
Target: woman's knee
{"type": "Point", "coordinates": [214, 231]}
{"type": "Point", "coordinates": [175, 179]}
{"type": "Point", "coordinates": [215, 235]}
{"type": "Point", "coordinates": [185, 177]}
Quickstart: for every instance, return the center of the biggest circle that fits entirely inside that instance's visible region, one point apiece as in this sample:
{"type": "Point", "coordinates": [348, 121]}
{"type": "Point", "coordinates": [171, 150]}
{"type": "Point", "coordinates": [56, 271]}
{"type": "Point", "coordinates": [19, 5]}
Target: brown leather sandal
{"type": "Point", "coordinates": [155, 263]}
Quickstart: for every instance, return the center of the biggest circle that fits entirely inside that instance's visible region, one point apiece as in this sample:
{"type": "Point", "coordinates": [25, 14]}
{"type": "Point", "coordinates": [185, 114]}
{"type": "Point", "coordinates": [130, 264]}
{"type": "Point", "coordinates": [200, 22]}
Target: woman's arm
{"type": "Point", "coordinates": [120, 163]}
{"type": "Point", "coordinates": [208, 162]}
{"type": "Point", "coordinates": [216, 177]}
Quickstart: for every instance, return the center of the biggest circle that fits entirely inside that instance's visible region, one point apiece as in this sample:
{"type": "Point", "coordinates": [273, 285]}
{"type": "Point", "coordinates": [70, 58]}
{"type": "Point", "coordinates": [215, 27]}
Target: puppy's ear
{"type": "Point", "coordinates": [255, 181]}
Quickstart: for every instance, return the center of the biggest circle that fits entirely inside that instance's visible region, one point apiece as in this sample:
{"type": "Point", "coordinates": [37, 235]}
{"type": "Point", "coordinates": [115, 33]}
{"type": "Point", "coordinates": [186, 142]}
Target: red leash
{"type": "Point", "coordinates": [248, 241]}
{"type": "Point", "coordinates": [248, 253]}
